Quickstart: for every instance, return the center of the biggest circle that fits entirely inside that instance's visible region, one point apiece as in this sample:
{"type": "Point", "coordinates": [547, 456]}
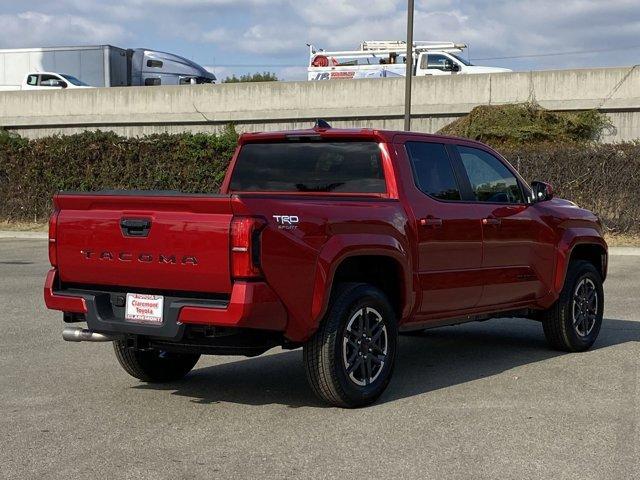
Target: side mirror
{"type": "Point", "coordinates": [541, 191]}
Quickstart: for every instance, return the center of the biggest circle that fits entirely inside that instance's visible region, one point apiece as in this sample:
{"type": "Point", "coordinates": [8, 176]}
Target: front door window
{"type": "Point", "coordinates": [491, 181]}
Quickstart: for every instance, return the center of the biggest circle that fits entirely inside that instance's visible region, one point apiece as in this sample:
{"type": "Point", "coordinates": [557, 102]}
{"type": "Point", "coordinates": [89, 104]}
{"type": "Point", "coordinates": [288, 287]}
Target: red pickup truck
{"type": "Point", "coordinates": [327, 239]}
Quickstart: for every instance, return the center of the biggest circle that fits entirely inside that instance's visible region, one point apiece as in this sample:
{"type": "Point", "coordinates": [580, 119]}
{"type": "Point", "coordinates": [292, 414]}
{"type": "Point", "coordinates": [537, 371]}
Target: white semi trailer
{"type": "Point", "coordinates": [99, 66]}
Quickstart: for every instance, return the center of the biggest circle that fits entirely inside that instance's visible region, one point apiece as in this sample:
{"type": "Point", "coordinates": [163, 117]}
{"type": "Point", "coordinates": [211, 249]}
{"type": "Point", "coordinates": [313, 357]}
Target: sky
{"type": "Point", "coordinates": [243, 36]}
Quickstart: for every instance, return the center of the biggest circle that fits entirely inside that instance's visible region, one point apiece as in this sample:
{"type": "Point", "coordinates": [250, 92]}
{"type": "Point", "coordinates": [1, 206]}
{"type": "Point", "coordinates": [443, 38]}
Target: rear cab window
{"type": "Point", "coordinates": [318, 166]}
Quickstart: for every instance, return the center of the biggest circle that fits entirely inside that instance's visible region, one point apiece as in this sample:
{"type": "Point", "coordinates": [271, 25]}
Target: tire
{"type": "Point", "coordinates": [572, 325]}
{"type": "Point", "coordinates": [338, 346]}
{"type": "Point", "coordinates": [154, 366]}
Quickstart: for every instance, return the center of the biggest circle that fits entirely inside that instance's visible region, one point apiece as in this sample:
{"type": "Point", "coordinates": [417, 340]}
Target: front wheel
{"type": "Point", "coordinates": [350, 359]}
{"type": "Point", "coordinates": [572, 324]}
{"type": "Point", "coordinates": [154, 366]}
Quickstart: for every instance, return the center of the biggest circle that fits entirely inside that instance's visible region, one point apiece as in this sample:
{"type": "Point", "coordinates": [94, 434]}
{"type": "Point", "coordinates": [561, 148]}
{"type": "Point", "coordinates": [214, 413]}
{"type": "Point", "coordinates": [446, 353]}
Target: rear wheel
{"type": "Point", "coordinates": [154, 366]}
{"type": "Point", "coordinates": [350, 359]}
{"type": "Point", "coordinates": [572, 324]}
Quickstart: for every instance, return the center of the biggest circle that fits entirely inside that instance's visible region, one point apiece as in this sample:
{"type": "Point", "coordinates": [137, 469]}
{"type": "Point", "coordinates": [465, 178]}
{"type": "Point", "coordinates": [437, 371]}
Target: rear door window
{"type": "Point", "coordinates": [341, 167]}
{"type": "Point", "coordinates": [432, 170]}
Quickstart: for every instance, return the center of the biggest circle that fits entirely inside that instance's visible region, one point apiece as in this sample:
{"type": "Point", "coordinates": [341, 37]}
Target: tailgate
{"type": "Point", "coordinates": [144, 241]}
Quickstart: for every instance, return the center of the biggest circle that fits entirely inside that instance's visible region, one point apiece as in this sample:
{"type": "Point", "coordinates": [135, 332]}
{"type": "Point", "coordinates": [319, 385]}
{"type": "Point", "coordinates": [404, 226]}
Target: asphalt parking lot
{"type": "Point", "coordinates": [484, 400]}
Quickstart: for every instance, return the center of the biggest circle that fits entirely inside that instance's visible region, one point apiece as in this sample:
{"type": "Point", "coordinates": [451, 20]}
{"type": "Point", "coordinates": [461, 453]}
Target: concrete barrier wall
{"type": "Point", "coordinates": [375, 103]}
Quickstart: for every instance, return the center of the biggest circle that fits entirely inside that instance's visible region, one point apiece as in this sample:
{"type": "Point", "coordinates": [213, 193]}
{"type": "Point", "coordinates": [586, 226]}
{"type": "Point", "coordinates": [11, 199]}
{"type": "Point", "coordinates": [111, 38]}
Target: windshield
{"type": "Point", "coordinates": [462, 60]}
{"type": "Point", "coordinates": [347, 167]}
{"type": "Point", "coordinates": [74, 80]}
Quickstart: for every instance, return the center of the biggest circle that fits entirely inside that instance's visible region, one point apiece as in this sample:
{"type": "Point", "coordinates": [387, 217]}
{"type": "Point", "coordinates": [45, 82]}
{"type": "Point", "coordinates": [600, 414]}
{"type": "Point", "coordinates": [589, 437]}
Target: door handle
{"type": "Point", "coordinates": [135, 227]}
{"type": "Point", "coordinates": [491, 221]}
{"type": "Point", "coordinates": [431, 222]}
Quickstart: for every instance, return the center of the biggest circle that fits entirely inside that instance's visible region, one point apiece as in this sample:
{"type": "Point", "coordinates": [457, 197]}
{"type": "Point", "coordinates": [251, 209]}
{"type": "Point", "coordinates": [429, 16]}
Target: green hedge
{"type": "Point", "coordinates": [32, 171]}
{"type": "Point", "coordinates": [516, 124]}
{"type": "Point", "coordinates": [604, 178]}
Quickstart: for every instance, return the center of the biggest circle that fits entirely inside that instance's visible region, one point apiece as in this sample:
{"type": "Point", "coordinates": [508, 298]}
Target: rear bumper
{"type": "Point", "coordinates": [251, 305]}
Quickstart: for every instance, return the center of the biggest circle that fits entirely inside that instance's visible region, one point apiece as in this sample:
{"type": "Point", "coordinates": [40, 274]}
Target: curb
{"type": "Point", "coordinates": [624, 251]}
{"type": "Point", "coordinates": [24, 235]}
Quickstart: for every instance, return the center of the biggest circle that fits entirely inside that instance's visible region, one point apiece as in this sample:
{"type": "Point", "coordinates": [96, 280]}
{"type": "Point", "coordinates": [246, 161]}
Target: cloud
{"type": "Point", "coordinates": [492, 29]}
{"type": "Point", "coordinates": [215, 35]}
{"type": "Point", "coordinates": [186, 4]}
{"type": "Point", "coordinates": [344, 12]}
{"type": "Point", "coordinates": [34, 29]}
{"type": "Point", "coordinates": [261, 32]}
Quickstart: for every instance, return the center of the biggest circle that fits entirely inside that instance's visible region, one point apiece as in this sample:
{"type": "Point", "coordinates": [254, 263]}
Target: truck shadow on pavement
{"type": "Point", "coordinates": [427, 361]}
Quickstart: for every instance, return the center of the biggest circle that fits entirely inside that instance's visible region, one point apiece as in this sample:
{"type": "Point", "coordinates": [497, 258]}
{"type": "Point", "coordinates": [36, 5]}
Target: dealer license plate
{"type": "Point", "coordinates": [144, 308]}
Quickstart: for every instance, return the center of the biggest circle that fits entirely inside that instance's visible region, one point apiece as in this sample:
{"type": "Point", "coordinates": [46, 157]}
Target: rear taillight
{"type": "Point", "coordinates": [245, 247]}
{"type": "Point", "coordinates": [53, 230]}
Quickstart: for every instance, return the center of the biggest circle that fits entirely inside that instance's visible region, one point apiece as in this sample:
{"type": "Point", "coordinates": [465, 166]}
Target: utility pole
{"type": "Point", "coordinates": [409, 69]}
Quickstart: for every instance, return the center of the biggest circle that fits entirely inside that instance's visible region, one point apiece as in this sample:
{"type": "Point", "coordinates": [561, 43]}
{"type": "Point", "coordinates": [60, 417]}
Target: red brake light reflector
{"type": "Point", "coordinates": [245, 247]}
{"type": "Point", "coordinates": [53, 230]}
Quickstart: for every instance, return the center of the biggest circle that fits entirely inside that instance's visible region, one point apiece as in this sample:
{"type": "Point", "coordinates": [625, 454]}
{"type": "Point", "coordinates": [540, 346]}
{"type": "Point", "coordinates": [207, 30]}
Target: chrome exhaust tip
{"type": "Point", "coordinates": [73, 334]}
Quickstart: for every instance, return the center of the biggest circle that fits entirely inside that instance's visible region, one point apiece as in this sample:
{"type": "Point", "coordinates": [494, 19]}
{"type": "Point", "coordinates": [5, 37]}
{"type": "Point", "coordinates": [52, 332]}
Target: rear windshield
{"type": "Point", "coordinates": [346, 167]}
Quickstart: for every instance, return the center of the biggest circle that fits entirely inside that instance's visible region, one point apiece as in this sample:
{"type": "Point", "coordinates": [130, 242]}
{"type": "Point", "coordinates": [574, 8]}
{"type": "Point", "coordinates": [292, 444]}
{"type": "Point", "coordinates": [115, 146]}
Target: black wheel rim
{"type": "Point", "coordinates": [365, 346]}
{"type": "Point", "coordinates": [585, 307]}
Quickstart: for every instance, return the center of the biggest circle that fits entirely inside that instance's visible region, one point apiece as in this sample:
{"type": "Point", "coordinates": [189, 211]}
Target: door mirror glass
{"type": "Point", "coordinates": [541, 191]}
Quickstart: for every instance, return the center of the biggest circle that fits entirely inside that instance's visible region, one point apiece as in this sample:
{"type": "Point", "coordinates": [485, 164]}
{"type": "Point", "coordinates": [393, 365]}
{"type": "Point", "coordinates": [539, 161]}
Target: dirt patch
{"type": "Point", "coordinates": [23, 226]}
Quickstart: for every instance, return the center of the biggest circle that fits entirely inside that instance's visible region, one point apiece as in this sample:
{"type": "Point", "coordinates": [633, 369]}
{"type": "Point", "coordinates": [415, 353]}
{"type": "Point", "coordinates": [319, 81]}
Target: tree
{"type": "Point", "coordinates": [252, 77]}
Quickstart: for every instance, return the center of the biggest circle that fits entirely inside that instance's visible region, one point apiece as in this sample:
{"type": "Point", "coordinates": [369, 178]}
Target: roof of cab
{"type": "Point", "coordinates": [339, 133]}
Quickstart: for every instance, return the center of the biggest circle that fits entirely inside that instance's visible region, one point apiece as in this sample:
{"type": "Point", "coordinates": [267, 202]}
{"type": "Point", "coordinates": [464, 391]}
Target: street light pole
{"type": "Point", "coordinates": [409, 69]}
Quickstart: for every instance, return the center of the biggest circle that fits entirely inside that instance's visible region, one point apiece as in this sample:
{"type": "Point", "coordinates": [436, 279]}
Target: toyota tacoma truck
{"type": "Point", "coordinates": [332, 240]}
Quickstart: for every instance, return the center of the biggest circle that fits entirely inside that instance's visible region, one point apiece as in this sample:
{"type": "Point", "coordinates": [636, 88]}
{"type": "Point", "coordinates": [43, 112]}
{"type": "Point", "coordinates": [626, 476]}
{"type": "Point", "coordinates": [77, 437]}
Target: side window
{"type": "Point", "coordinates": [32, 80]}
{"type": "Point", "coordinates": [49, 81]}
{"type": "Point", "coordinates": [154, 63]}
{"type": "Point", "coordinates": [436, 61]}
{"type": "Point", "coordinates": [490, 179]}
{"type": "Point", "coordinates": [152, 81]}
{"type": "Point", "coordinates": [432, 170]}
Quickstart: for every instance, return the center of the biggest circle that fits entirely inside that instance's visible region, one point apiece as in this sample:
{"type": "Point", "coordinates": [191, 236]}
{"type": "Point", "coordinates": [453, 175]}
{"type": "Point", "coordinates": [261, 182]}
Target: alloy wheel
{"type": "Point", "coordinates": [365, 346]}
{"type": "Point", "coordinates": [584, 307]}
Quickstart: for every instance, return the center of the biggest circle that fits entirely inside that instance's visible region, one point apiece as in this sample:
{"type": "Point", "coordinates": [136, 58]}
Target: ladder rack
{"type": "Point", "coordinates": [401, 45]}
